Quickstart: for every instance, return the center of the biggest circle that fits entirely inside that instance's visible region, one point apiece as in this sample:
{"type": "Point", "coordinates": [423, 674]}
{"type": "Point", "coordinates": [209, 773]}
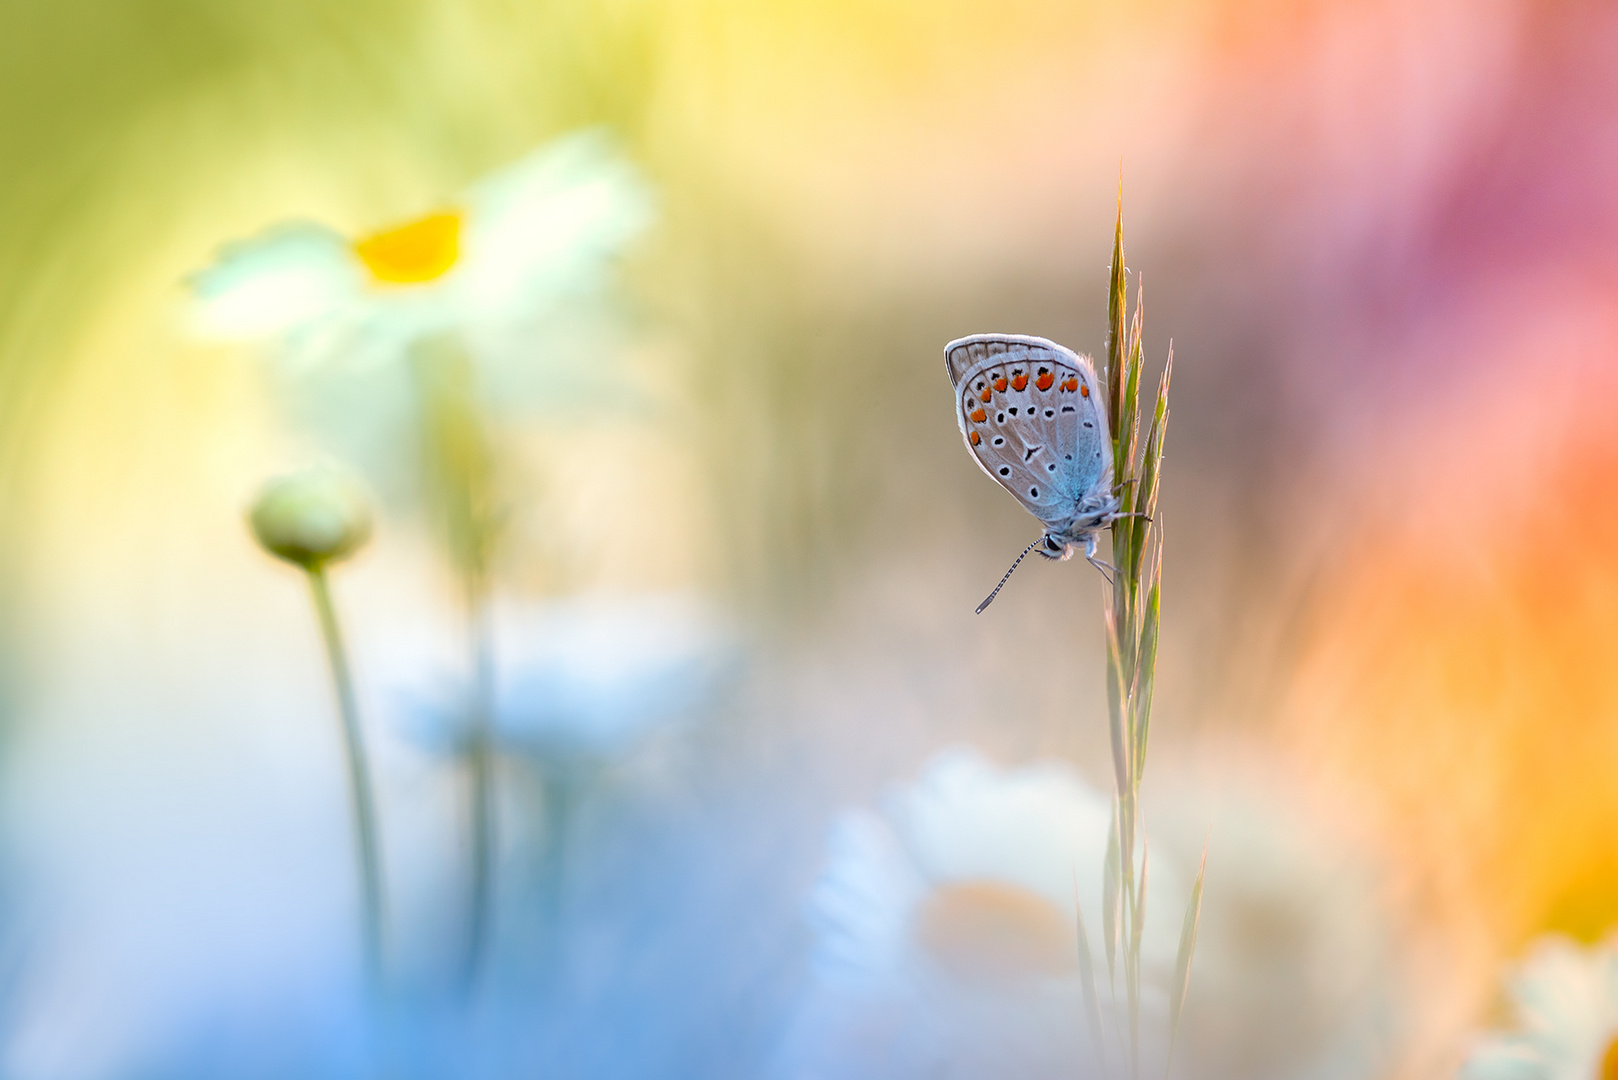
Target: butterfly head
{"type": "Point", "coordinates": [1055, 547]}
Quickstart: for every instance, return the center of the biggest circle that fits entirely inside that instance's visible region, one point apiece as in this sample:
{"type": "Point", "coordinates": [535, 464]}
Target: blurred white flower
{"type": "Point", "coordinates": [587, 677]}
{"type": "Point", "coordinates": [486, 268]}
{"type": "Point", "coordinates": [945, 930]}
{"type": "Point", "coordinates": [593, 674]}
{"type": "Point", "coordinates": [1566, 1000]}
{"type": "Point", "coordinates": [488, 306]}
{"type": "Point", "coordinates": [945, 937]}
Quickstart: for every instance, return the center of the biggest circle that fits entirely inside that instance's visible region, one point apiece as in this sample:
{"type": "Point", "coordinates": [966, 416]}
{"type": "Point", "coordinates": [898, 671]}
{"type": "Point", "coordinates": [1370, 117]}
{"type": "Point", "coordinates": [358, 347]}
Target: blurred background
{"type": "Point", "coordinates": [741, 543]}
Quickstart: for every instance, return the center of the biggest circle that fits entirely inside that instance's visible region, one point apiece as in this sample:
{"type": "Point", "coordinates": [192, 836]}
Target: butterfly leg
{"type": "Point", "coordinates": [1108, 571]}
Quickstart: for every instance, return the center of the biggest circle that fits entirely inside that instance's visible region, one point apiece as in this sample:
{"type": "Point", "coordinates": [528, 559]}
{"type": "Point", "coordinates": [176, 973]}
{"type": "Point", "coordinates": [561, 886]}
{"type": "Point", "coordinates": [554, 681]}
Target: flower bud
{"type": "Point", "coordinates": [311, 518]}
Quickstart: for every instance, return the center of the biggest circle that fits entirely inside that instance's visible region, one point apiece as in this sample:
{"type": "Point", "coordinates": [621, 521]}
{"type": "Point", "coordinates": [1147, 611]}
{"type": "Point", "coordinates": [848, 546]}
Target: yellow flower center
{"type": "Point", "coordinates": [989, 929]}
{"type": "Point", "coordinates": [423, 250]}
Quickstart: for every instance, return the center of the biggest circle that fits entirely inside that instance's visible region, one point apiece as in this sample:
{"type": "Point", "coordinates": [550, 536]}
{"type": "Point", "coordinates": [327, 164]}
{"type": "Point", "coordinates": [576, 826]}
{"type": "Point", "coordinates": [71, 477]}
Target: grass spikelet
{"type": "Point", "coordinates": [1151, 468]}
{"type": "Point", "coordinates": [1151, 617]}
{"type": "Point", "coordinates": [1115, 322]}
{"type": "Point", "coordinates": [1087, 976]}
{"type": "Point", "coordinates": [1133, 619]}
{"type": "Point", "coordinates": [1182, 961]}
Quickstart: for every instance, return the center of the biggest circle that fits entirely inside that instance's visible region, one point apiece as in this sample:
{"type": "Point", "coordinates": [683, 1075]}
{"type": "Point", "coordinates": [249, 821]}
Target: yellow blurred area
{"type": "Point", "coordinates": [873, 136]}
{"type": "Point", "coordinates": [418, 251]}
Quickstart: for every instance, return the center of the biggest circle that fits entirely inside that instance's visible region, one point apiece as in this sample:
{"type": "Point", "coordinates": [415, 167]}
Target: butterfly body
{"type": "Point", "coordinates": [1033, 417]}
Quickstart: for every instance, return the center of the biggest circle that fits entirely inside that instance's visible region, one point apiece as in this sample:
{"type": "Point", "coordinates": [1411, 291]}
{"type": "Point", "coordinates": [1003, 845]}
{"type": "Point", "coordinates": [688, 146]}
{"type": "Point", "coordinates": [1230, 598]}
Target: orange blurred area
{"type": "Point", "coordinates": [1455, 667]}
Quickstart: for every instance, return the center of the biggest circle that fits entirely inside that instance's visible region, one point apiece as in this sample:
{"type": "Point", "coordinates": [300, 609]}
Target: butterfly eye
{"type": "Point", "coordinates": [1052, 545]}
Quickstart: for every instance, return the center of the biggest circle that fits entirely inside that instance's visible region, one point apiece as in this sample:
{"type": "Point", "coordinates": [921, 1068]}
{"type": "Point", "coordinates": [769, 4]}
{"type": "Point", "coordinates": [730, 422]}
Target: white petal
{"type": "Point", "coordinates": [1035, 827]}
{"type": "Point", "coordinates": [592, 674]}
{"type": "Point", "coordinates": [862, 905]}
{"type": "Point", "coordinates": [1504, 1059]}
{"type": "Point", "coordinates": [285, 279]}
{"type": "Point", "coordinates": [547, 226]}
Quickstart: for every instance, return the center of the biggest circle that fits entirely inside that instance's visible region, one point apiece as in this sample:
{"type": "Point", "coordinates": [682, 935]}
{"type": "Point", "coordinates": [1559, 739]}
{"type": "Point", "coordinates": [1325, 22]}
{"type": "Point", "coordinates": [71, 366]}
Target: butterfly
{"type": "Point", "coordinates": [1032, 416]}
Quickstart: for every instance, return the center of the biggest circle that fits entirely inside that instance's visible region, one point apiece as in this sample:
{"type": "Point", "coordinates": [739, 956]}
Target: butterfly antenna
{"type": "Point", "coordinates": [1007, 578]}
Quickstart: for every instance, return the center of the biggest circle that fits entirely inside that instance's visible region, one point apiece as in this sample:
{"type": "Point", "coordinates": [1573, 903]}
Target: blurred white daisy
{"type": "Point", "coordinates": [486, 268]}
{"type": "Point", "coordinates": [946, 945]}
{"type": "Point", "coordinates": [592, 675]}
{"type": "Point", "coordinates": [387, 345]}
{"type": "Point", "coordinates": [1566, 1001]}
{"type": "Point", "coordinates": [586, 678]}
{"type": "Point", "coordinates": [946, 941]}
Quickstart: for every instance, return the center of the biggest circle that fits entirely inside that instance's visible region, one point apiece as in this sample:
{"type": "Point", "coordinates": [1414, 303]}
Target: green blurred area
{"type": "Point", "coordinates": [807, 266]}
{"type": "Point", "coordinates": [136, 137]}
{"type": "Point", "coordinates": [118, 119]}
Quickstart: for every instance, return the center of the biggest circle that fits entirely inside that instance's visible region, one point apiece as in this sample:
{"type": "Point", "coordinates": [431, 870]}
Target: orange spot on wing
{"type": "Point", "coordinates": [1084, 391]}
{"type": "Point", "coordinates": [986, 395]}
{"type": "Point", "coordinates": [975, 439]}
{"type": "Point", "coordinates": [1000, 385]}
{"type": "Point", "coordinates": [978, 416]}
{"type": "Point", "coordinates": [1071, 384]}
{"type": "Point", "coordinates": [1044, 381]}
{"type": "Point", "coordinates": [1019, 382]}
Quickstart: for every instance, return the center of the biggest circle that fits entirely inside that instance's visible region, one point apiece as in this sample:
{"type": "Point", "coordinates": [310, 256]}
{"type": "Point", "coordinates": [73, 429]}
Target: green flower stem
{"type": "Point", "coordinates": [359, 776]}
{"type": "Point", "coordinates": [561, 784]}
{"type": "Point", "coordinates": [458, 479]}
{"type": "Point", "coordinates": [480, 765]}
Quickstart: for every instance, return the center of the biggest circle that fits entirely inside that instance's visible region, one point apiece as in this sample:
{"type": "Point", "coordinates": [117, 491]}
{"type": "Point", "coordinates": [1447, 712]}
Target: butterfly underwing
{"type": "Point", "coordinates": [1032, 415]}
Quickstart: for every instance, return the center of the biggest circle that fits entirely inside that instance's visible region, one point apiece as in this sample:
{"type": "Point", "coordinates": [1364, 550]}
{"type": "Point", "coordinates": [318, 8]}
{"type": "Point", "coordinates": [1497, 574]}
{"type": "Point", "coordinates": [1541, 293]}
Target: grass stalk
{"type": "Point", "coordinates": [1132, 615]}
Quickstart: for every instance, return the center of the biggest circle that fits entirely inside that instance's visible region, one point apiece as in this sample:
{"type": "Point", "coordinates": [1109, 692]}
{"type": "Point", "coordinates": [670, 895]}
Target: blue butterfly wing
{"type": "Point", "coordinates": [1030, 412]}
